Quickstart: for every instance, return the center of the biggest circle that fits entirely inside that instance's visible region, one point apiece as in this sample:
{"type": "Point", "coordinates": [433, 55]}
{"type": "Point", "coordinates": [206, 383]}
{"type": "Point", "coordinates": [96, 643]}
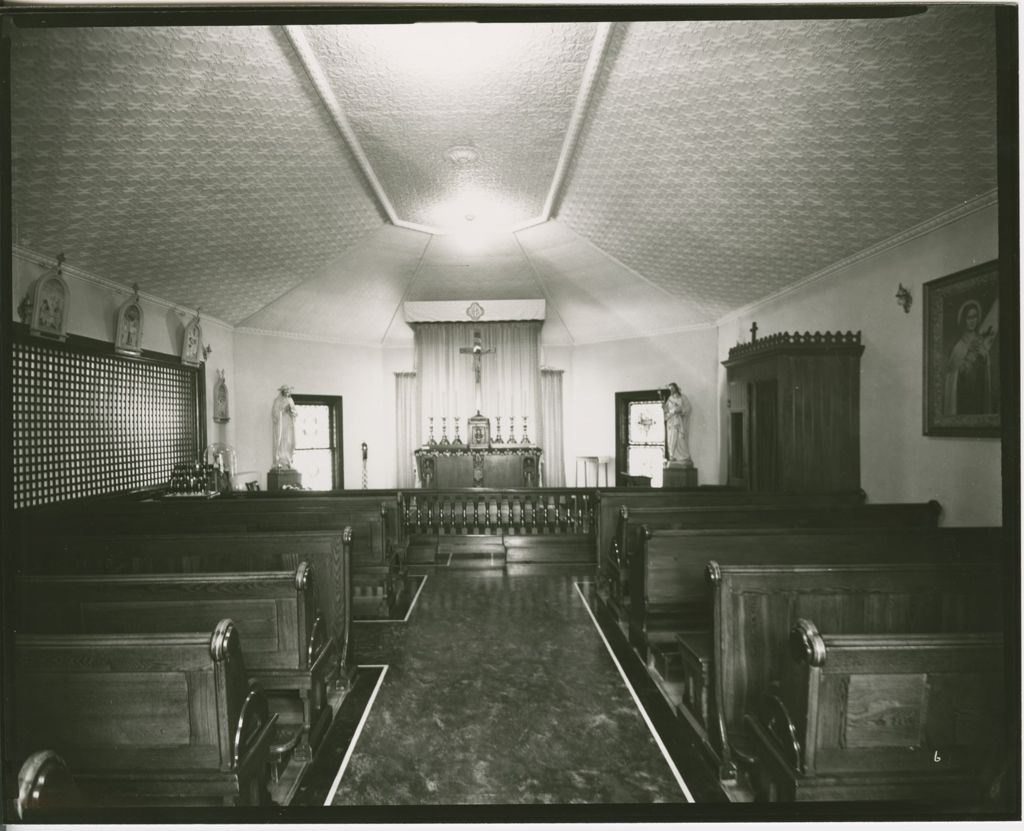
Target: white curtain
{"type": "Point", "coordinates": [406, 427]}
{"type": "Point", "coordinates": [551, 427]}
{"type": "Point", "coordinates": [510, 376]}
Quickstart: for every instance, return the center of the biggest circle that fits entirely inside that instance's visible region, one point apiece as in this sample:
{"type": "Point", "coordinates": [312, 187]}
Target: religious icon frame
{"type": "Point", "coordinates": [192, 343]}
{"type": "Point", "coordinates": [128, 332]}
{"type": "Point", "coordinates": [947, 357]}
{"type": "Point", "coordinates": [221, 405]}
{"type": "Point", "coordinates": [50, 303]}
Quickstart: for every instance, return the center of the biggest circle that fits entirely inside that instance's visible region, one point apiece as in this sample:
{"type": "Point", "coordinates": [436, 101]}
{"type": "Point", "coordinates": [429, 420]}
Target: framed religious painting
{"type": "Point", "coordinates": [961, 353]}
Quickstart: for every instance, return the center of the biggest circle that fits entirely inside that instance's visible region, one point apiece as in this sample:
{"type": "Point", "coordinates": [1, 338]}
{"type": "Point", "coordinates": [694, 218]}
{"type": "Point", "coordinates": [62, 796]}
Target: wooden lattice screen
{"type": "Point", "coordinates": [89, 422]}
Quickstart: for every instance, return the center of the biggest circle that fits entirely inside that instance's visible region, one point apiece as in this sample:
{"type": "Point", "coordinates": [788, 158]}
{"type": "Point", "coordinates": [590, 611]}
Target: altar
{"type": "Point", "coordinates": [483, 460]}
{"type": "Point", "coordinates": [455, 466]}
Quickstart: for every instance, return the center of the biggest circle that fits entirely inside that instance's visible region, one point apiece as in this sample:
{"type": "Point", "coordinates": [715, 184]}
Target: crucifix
{"type": "Point", "coordinates": [476, 350]}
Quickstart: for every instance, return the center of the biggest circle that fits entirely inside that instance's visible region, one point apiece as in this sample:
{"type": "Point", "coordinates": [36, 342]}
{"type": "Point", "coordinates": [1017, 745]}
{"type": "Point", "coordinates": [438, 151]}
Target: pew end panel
{"type": "Point", "coordinates": [882, 716]}
{"type": "Point", "coordinates": [147, 719]}
{"type": "Point", "coordinates": [755, 606]}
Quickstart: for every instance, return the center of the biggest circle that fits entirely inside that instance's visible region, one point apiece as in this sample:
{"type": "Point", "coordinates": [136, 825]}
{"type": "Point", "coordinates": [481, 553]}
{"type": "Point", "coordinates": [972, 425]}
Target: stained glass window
{"type": "Point", "coordinates": [645, 453]}
{"type": "Point", "coordinates": [315, 442]}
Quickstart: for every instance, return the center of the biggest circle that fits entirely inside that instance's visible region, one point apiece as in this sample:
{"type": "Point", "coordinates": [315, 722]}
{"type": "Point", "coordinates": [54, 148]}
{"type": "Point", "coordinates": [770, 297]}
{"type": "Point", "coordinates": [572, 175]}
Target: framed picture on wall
{"type": "Point", "coordinates": [961, 353]}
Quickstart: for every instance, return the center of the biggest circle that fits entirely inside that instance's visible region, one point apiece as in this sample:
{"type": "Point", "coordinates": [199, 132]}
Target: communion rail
{"type": "Point", "coordinates": [508, 512]}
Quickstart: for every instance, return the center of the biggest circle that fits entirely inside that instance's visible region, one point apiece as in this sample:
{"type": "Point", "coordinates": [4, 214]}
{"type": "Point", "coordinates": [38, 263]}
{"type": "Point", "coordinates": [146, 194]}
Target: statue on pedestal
{"type": "Point", "coordinates": [283, 415]}
{"type": "Point", "coordinates": [677, 428]}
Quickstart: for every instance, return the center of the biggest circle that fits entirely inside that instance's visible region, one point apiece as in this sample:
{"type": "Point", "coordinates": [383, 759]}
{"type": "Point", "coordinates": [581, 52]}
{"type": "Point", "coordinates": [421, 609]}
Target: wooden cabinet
{"type": "Point", "coordinates": [794, 412]}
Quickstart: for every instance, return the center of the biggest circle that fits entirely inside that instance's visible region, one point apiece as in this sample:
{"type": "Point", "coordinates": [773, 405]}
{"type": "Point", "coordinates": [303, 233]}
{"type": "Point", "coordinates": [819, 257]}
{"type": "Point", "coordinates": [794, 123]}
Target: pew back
{"type": "Point", "coordinates": [668, 576]}
{"type": "Point", "coordinates": [275, 610]}
{"type": "Point", "coordinates": [611, 500]}
{"type": "Point", "coordinates": [372, 516]}
{"type": "Point", "coordinates": [244, 553]}
{"type": "Point", "coordinates": [781, 515]}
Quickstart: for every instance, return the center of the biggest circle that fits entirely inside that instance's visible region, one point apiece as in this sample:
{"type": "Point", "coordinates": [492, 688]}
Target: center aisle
{"type": "Point", "coordinates": [500, 691]}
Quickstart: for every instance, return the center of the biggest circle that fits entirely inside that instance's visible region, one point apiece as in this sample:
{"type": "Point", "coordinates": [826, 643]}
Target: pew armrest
{"type": "Point", "coordinates": [319, 643]}
{"type": "Point", "coordinates": [45, 784]}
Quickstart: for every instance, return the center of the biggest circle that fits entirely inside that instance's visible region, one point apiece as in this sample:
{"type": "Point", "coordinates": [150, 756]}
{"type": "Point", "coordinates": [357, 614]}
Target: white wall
{"type": "Point", "coordinates": [600, 370]}
{"type": "Point", "coordinates": [263, 363]}
{"type": "Point", "coordinates": [898, 462]}
{"type": "Point", "coordinates": [92, 313]}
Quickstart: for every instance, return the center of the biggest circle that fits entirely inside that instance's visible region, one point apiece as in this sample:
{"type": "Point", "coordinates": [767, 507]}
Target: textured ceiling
{"type": "Point", "coordinates": [727, 160]}
{"type": "Point", "coordinates": [196, 162]}
{"type": "Point", "coordinates": [413, 91]}
{"type": "Point", "coordinates": [718, 162]}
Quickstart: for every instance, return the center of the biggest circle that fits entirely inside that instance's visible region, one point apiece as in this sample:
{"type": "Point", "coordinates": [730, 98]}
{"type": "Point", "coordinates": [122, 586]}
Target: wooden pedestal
{"type": "Point", "coordinates": [277, 478]}
{"type": "Point", "coordinates": [679, 477]}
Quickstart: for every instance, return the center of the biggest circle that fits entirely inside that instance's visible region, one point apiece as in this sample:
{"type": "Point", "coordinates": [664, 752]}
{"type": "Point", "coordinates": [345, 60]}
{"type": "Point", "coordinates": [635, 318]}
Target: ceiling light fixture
{"type": "Point", "coordinates": [461, 155]}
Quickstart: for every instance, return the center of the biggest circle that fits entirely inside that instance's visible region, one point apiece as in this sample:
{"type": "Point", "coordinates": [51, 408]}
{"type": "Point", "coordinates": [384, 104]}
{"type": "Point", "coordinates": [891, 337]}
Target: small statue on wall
{"type": "Point", "coordinates": [677, 427]}
{"type": "Point", "coordinates": [128, 334]}
{"type": "Point", "coordinates": [283, 416]}
{"type": "Point", "coordinates": [221, 413]}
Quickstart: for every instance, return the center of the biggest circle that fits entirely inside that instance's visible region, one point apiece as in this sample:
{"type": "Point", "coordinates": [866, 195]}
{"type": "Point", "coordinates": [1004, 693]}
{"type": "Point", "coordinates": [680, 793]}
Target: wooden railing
{"type": "Point", "coordinates": [540, 511]}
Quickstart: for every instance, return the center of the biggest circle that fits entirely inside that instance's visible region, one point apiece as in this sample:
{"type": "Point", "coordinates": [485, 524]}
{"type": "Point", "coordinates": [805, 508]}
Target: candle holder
{"type": "Point", "coordinates": [431, 442]}
{"type": "Point", "coordinates": [511, 430]}
{"type": "Point", "coordinates": [444, 432]}
{"type": "Point", "coordinates": [525, 439]}
{"type": "Point", "coordinates": [457, 442]}
{"type": "Point", "coordinates": [497, 430]}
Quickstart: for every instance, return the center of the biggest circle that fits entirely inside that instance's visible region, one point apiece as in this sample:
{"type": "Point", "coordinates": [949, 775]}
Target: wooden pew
{"type": "Point", "coordinates": [881, 716]}
{"type": "Point", "coordinates": [611, 500]}
{"type": "Point", "coordinates": [146, 719]}
{"type": "Point", "coordinates": [377, 551]}
{"type": "Point", "coordinates": [45, 788]}
{"type": "Point", "coordinates": [755, 607]}
{"type": "Point", "coordinates": [668, 590]}
{"type": "Point", "coordinates": [287, 650]}
{"type": "Point", "coordinates": [789, 512]}
{"type": "Point", "coordinates": [328, 553]}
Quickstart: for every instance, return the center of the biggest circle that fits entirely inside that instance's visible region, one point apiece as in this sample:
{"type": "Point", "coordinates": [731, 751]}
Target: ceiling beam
{"type": "Point", "coordinates": [297, 37]}
{"type": "Point", "coordinates": [598, 48]}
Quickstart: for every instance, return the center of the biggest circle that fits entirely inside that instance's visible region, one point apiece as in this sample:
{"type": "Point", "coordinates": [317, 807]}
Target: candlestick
{"type": "Point", "coordinates": [431, 442]}
{"type": "Point", "coordinates": [511, 430]}
{"type": "Point", "coordinates": [525, 439]}
{"type": "Point", "coordinates": [444, 432]}
{"type": "Point", "coordinates": [497, 436]}
{"type": "Point", "coordinates": [457, 442]}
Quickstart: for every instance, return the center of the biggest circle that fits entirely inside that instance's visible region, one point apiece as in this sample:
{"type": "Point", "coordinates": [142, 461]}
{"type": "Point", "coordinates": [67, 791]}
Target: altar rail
{"type": "Point", "coordinates": [537, 511]}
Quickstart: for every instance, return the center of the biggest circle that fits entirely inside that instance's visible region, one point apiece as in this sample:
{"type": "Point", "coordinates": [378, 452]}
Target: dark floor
{"type": "Point", "coordinates": [499, 690]}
